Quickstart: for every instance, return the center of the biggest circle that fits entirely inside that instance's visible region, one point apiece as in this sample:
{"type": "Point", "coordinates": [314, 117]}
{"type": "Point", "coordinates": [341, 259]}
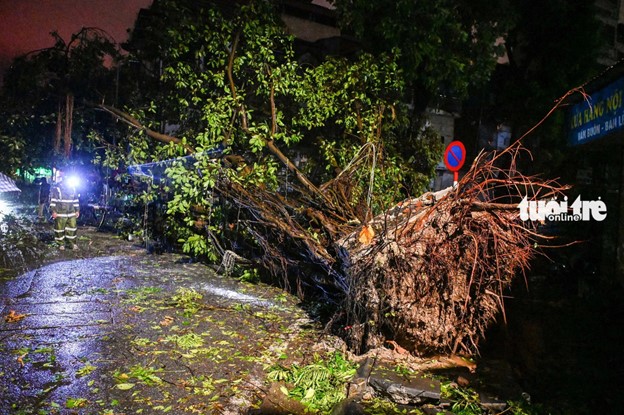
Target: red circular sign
{"type": "Point", "coordinates": [455, 156]}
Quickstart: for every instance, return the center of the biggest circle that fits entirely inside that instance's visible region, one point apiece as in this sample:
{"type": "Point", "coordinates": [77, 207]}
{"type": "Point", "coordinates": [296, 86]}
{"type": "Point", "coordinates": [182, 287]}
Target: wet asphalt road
{"type": "Point", "coordinates": [64, 322]}
{"type": "Point", "coordinates": [115, 334]}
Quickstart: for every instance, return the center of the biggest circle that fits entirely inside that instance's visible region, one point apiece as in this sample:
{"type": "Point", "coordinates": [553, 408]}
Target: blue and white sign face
{"type": "Point", "coordinates": [601, 114]}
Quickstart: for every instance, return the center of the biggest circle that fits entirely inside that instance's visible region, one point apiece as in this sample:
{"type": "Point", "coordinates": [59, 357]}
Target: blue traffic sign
{"type": "Point", "coordinates": [455, 156]}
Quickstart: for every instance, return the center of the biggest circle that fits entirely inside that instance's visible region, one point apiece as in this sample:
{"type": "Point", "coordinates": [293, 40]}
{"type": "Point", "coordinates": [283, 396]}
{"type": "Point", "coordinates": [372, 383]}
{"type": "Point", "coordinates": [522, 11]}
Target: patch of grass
{"type": "Point", "coordinates": [319, 385]}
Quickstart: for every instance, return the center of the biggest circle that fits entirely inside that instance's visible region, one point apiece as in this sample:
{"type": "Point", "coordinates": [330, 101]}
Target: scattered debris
{"type": "Point", "coordinates": [14, 317]}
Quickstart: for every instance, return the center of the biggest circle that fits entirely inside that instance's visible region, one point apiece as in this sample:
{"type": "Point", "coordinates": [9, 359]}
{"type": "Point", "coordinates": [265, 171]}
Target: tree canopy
{"type": "Point", "coordinates": [229, 78]}
{"type": "Point", "coordinates": [446, 46]}
{"type": "Point", "coordinates": [44, 97]}
{"type": "Point", "coordinates": [202, 76]}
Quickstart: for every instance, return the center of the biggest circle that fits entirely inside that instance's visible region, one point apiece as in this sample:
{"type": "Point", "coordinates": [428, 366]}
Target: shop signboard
{"type": "Point", "coordinates": [600, 114]}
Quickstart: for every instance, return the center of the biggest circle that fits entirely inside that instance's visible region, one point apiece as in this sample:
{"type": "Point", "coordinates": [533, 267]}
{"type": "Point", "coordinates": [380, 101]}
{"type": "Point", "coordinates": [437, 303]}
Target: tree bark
{"type": "Point", "coordinates": [133, 122]}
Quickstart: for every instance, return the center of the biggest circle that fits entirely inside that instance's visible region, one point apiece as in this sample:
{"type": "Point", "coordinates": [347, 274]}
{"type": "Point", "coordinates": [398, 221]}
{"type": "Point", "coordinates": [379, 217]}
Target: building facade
{"type": "Point", "coordinates": [595, 133]}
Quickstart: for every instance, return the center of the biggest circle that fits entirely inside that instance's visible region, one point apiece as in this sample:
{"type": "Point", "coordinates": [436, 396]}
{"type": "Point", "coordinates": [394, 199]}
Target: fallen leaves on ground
{"type": "Point", "coordinates": [20, 359]}
{"type": "Point", "coordinates": [166, 321]}
{"type": "Point", "coordinates": [14, 317]}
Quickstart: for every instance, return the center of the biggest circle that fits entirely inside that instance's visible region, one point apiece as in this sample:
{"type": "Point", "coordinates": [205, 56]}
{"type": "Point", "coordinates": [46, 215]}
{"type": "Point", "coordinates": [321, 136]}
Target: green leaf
{"type": "Point", "coordinates": [72, 403]}
{"type": "Point", "coordinates": [309, 394]}
{"type": "Point", "coordinates": [85, 370]}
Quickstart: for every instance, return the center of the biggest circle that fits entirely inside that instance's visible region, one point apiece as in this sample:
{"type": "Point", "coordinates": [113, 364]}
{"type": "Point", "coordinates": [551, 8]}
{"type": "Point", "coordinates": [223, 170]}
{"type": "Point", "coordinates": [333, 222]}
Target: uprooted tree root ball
{"type": "Point", "coordinates": [428, 273]}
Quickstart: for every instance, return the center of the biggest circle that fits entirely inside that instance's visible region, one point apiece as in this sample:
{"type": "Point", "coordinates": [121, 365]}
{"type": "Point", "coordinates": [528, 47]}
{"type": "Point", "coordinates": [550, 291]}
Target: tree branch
{"type": "Point", "coordinates": [231, 65]}
{"type": "Point", "coordinates": [229, 71]}
{"type": "Point", "coordinates": [133, 122]}
{"type": "Point", "coordinates": [273, 112]}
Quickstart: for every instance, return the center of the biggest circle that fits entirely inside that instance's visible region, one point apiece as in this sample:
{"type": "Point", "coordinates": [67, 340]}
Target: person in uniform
{"type": "Point", "coordinates": [65, 207]}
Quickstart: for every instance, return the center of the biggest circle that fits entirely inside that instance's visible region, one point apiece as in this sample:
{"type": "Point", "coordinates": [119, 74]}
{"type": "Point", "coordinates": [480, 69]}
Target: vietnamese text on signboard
{"type": "Point", "coordinates": [601, 114]}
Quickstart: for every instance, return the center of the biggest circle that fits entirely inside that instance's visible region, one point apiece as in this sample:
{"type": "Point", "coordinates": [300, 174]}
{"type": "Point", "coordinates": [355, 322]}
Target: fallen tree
{"type": "Point", "coordinates": [433, 275]}
{"type": "Point", "coordinates": [429, 273]}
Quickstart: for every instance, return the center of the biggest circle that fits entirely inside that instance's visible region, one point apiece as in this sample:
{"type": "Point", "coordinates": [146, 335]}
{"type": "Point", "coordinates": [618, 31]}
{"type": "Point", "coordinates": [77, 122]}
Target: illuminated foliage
{"type": "Point", "coordinates": [230, 79]}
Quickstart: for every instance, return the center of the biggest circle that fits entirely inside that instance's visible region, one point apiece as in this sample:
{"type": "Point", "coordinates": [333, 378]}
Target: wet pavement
{"type": "Point", "coordinates": [110, 329]}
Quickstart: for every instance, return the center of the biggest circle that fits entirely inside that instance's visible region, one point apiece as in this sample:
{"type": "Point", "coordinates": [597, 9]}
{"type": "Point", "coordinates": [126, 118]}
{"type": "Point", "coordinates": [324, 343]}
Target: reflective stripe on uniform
{"type": "Point", "coordinates": [65, 200]}
{"type": "Point", "coordinates": [71, 229]}
{"type": "Point", "coordinates": [66, 215]}
{"type": "Point", "coordinates": [70, 237]}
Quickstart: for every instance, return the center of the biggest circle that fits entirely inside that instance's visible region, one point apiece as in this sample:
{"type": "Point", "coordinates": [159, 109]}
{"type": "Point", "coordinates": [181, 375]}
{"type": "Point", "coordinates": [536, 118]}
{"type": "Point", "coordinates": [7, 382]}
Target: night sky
{"type": "Point", "coordinates": [26, 24]}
